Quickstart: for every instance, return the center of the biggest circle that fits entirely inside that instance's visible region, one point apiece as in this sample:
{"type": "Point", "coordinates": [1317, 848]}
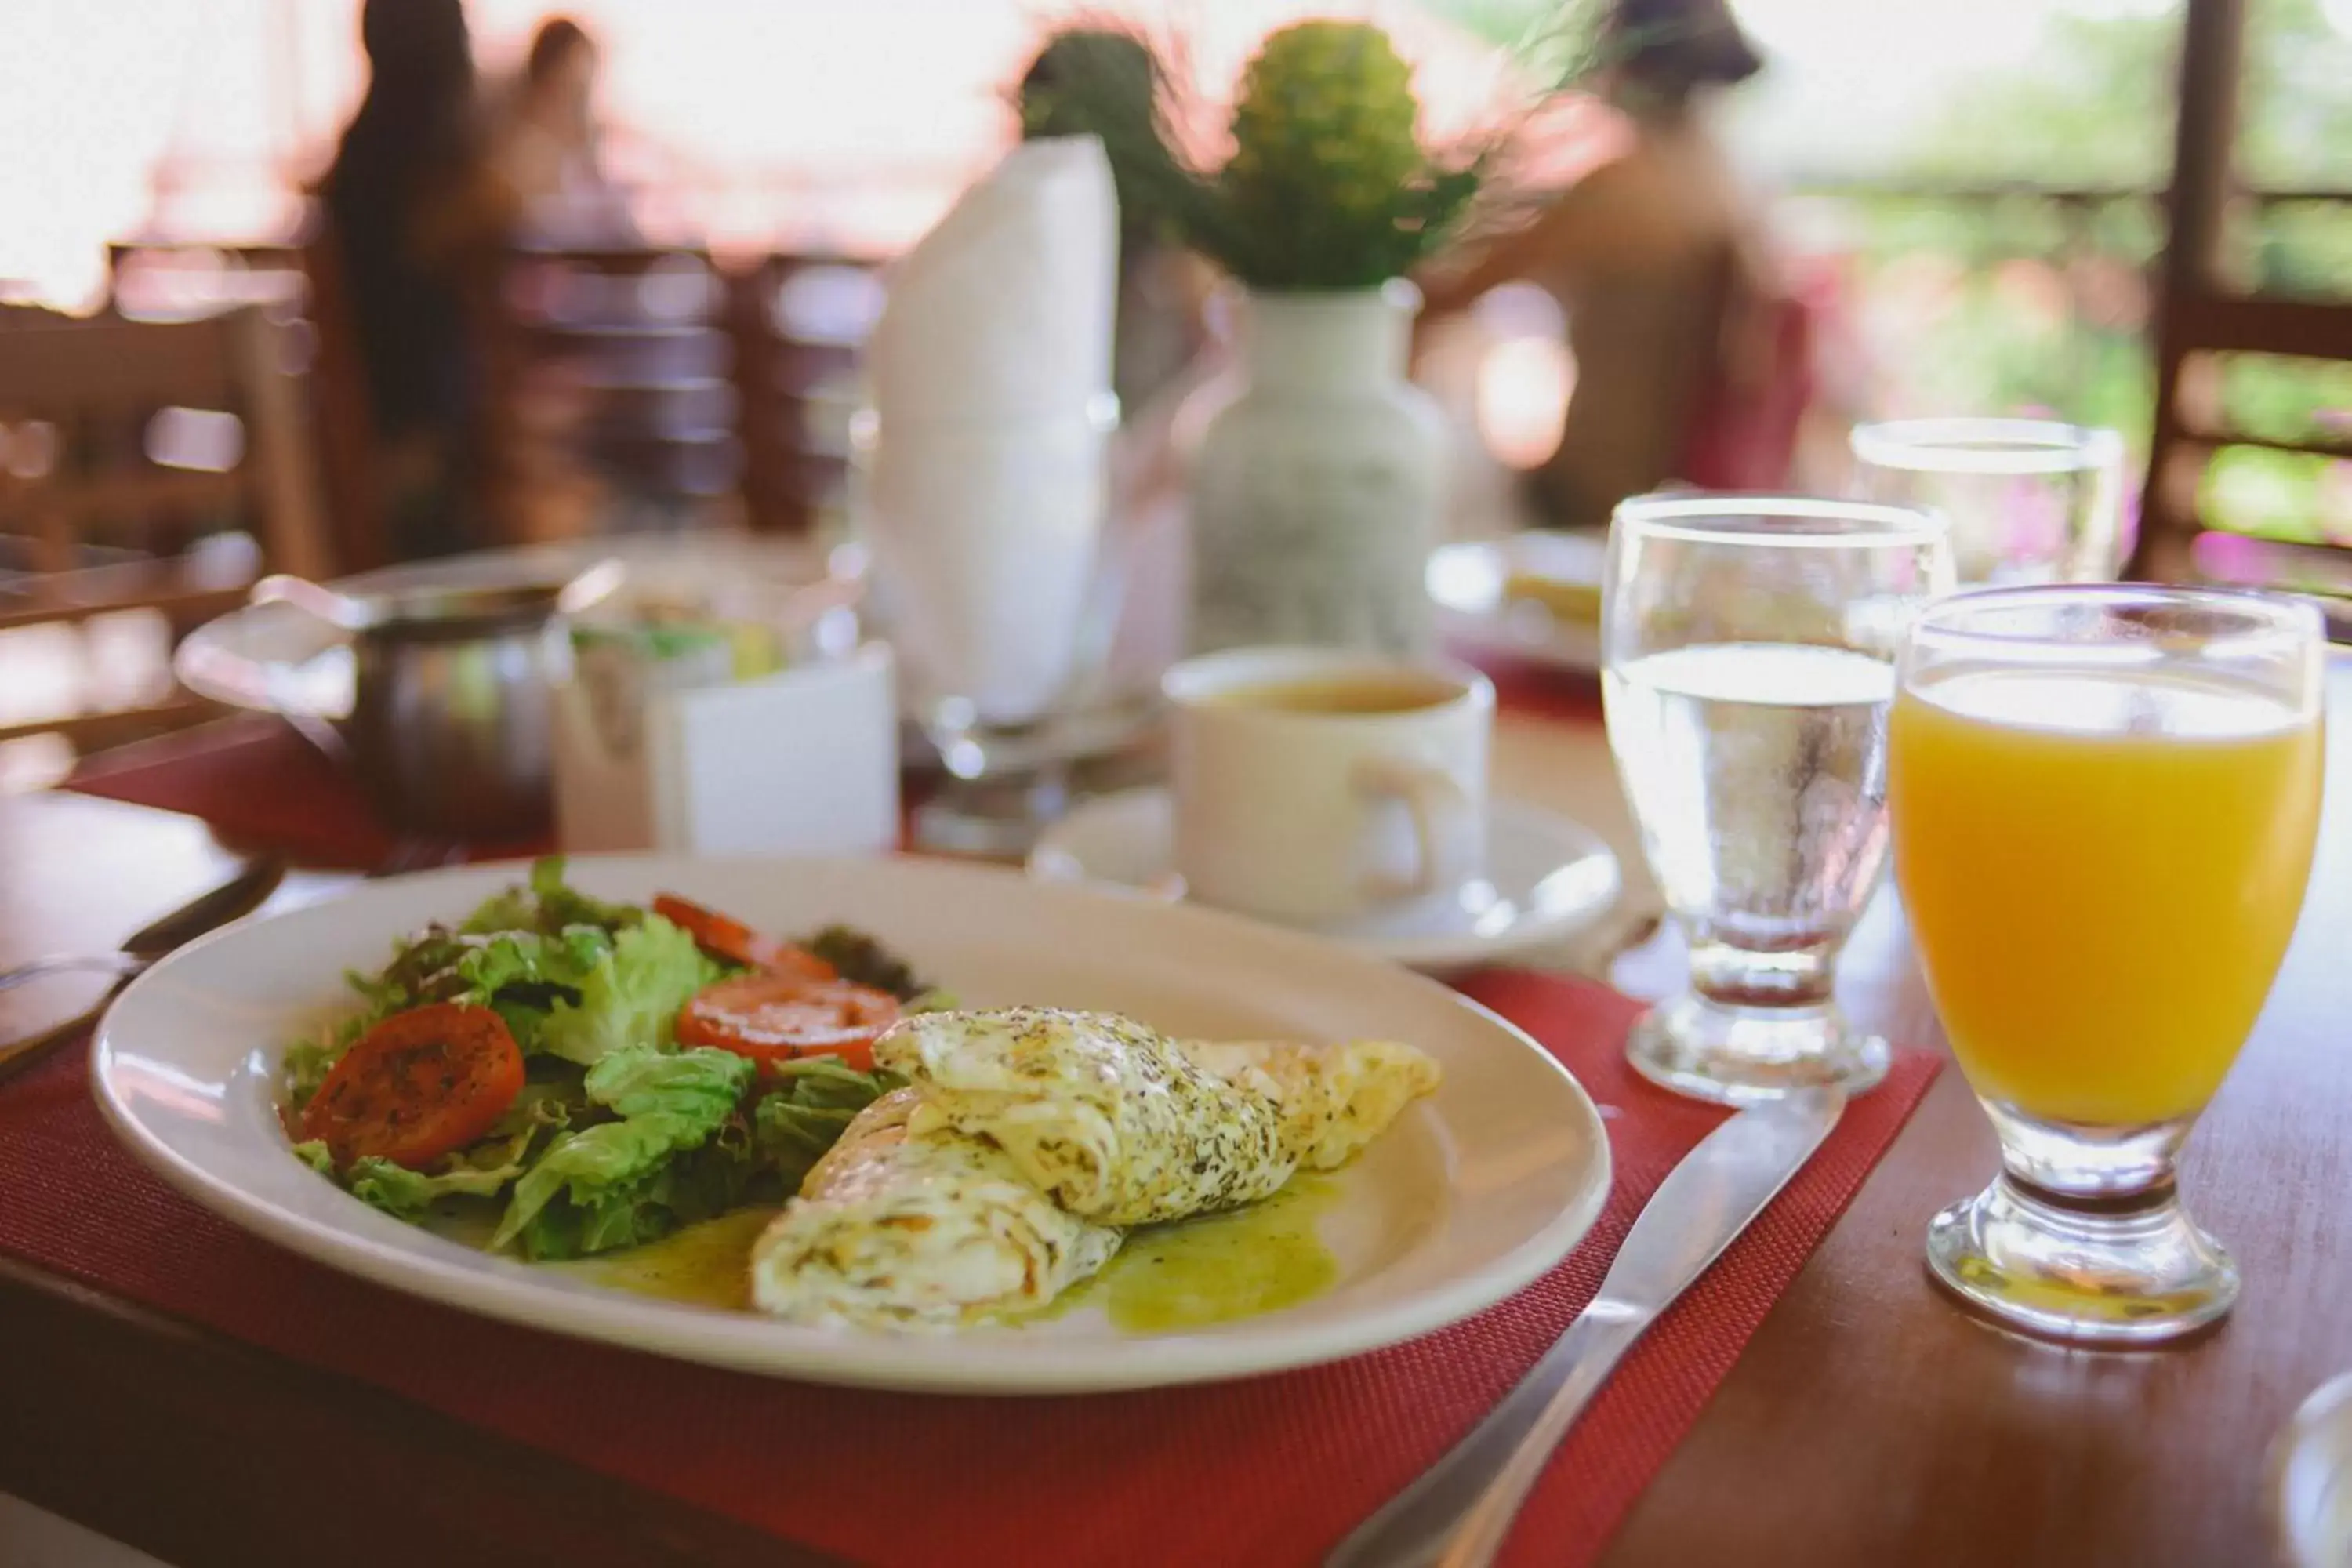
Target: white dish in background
{"type": "Point", "coordinates": [1546, 880]}
{"type": "Point", "coordinates": [2311, 1480]}
{"type": "Point", "coordinates": [1475, 1192]}
{"type": "Point", "coordinates": [1469, 584]}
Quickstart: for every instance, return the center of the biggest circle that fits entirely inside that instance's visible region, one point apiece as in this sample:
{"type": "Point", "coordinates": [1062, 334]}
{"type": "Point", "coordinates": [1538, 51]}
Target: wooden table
{"type": "Point", "coordinates": [1870, 1421]}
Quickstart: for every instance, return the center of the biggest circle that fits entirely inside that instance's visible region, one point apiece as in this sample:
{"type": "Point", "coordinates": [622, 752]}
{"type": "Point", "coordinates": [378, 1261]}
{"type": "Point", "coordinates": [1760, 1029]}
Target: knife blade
{"type": "Point", "coordinates": [1459, 1512]}
{"type": "Point", "coordinates": [240, 895]}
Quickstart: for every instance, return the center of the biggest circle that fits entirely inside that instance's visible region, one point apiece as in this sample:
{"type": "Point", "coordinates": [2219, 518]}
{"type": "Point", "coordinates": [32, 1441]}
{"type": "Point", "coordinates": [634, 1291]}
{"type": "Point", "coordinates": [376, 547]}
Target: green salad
{"type": "Point", "coordinates": [595, 1074]}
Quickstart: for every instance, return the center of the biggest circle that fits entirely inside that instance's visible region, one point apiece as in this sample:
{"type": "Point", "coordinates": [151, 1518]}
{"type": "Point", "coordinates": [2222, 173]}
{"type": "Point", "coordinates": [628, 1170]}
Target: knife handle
{"type": "Point", "coordinates": [1460, 1511]}
{"type": "Point", "coordinates": [115, 964]}
{"type": "Point", "coordinates": [240, 895]}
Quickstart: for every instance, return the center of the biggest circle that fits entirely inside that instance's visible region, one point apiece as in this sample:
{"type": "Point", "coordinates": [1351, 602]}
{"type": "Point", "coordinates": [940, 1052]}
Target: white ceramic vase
{"type": "Point", "coordinates": [1317, 491]}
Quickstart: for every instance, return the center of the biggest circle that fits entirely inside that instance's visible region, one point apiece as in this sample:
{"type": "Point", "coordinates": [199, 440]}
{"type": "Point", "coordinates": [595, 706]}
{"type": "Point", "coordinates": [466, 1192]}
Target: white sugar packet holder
{"type": "Point", "coordinates": [671, 754]}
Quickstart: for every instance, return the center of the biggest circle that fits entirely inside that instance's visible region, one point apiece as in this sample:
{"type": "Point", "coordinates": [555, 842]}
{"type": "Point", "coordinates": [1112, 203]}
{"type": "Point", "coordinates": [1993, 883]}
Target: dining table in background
{"type": "Point", "coordinates": [1869, 1420]}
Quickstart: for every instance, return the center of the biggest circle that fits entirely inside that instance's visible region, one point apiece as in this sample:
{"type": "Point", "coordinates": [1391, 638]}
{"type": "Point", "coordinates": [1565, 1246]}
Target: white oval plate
{"type": "Point", "coordinates": [1475, 1193]}
{"type": "Point", "coordinates": [1546, 880]}
{"type": "Point", "coordinates": [1468, 584]}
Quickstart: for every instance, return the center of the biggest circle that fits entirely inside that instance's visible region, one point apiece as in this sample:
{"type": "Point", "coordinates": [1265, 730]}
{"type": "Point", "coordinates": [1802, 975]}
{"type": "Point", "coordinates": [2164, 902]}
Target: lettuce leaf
{"type": "Point", "coordinates": [701, 1083]}
{"type": "Point", "coordinates": [524, 976]}
{"type": "Point", "coordinates": [807, 1111]}
{"type": "Point", "coordinates": [306, 1067]}
{"type": "Point", "coordinates": [547, 904]}
{"type": "Point", "coordinates": [594, 1166]}
{"type": "Point", "coordinates": [631, 997]}
{"type": "Point", "coordinates": [482, 1169]}
{"type": "Point", "coordinates": [487, 966]}
{"type": "Point", "coordinates": [578, 993]}
{"type": "Point", "coordinates": [551, 1098]}
{"type": "Point", "coordinates": [693, 1184]}
{"type": "Point", "coordinates": [620, 1183]}
{"type": "Point", "coordinates": [404, 1194]}
{"type": "Point", "coordinates": [615, 1184]}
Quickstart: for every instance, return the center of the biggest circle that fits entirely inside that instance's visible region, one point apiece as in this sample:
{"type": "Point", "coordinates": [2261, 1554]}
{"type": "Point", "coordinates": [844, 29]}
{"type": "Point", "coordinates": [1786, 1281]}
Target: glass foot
{"type": "Point", "coordinates": [1739, 1055]}
{"type": "Point", "coordinates": [990, 818]}
{"type": "Point", "coordinates": [2085, 1271]}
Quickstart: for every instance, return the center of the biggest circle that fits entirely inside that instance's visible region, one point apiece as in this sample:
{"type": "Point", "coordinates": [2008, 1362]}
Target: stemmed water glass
{"type": "Point", "coordinates": [999, 577]}
{"type": "Point", "coordinates": [2029, 501]}
{"type": "Point", "coordinates": [1749, 648]}
{"type": "Point", "coordinates": [2104, 801]}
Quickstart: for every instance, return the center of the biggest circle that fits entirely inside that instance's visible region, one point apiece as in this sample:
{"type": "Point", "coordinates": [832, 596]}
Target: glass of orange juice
{"type": "Point", "coordinates": [2104, 801]}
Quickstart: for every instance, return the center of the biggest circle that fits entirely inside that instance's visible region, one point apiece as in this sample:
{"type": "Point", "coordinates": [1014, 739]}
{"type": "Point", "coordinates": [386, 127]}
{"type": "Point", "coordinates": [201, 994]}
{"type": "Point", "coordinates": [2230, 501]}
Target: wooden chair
{"type": "Point", "coordinates": [300, 280]}
{"type": "Point", "coordinates": [351, 477]}
{"type": "Point", "coordinates": [104, 492]}
{"type": "Point", "coordinates": [610, 398]}
{"type": "Point", "coordinates": [2202, 312]}
{"type": "Point", "coordinates": [799, 325]}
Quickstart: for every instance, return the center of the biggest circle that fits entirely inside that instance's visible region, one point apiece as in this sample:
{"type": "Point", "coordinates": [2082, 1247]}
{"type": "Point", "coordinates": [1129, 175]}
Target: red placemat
{"type": "Point", "coordinates": [261, 785]}
{"type": "Point", "coordinates": [1290, 1462]}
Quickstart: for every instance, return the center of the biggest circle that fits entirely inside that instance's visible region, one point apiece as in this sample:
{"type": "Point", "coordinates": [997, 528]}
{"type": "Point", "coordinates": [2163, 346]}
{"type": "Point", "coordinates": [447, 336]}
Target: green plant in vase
{"type": "Point", "coordinates": [1328, 187]}
{"type": "Point", "coordinates": [1316, 490]}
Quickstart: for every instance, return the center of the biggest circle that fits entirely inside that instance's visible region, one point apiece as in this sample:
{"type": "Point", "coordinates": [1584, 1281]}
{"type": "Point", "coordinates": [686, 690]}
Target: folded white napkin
{"type": "Point", "coordinates": [986, 545]}
{"type": "Point", "coordinates": [986, 488]}
{"type": "Point", "coordinates": [1005, 308]}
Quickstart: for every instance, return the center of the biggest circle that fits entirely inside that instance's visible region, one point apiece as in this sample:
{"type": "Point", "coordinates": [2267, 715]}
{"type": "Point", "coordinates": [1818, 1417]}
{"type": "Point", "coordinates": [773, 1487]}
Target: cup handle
{"type": "Point", "coordinates": [1446, 829]}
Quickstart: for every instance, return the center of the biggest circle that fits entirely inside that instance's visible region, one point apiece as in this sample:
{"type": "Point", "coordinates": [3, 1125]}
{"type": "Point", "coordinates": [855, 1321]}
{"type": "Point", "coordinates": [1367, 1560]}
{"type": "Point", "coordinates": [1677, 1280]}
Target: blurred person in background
{"type": "Point", "coordinates": [407, 223]}
{"type": "Point", "coordinates": [544, 146]}
{"type": "Point", "coordinates": [1690, 361]}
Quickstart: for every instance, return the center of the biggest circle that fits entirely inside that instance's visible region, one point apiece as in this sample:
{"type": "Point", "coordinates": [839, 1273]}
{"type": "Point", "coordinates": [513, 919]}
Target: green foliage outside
{"type": "Point", "coordinates": [1328, 182]}
{"type": "Point", "coordinates": [1999, 304]}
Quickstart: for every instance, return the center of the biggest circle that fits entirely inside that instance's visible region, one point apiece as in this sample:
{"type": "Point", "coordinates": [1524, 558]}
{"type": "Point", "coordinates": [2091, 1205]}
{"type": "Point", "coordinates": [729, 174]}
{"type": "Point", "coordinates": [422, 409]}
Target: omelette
{"type": "Point", "coordinates": [1027, 1139]}
{"type": "Point", "coordinates": [1101, 1114]}
{"type": "Point", "coordinates": [1333, 1100]}
{"type": "Point", "coordinates": [907, 1223]}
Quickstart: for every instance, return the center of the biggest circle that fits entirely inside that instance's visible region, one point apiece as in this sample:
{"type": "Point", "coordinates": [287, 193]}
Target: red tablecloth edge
{"type": "Point", "coordinates": [1108, 1479]}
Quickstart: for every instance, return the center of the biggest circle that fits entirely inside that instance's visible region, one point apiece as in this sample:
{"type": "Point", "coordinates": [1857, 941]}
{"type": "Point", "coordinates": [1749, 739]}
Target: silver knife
{"type": "Point", "coordinates": [244, 892]}
{"type": "Point", "coordinates": [1459, 1512]}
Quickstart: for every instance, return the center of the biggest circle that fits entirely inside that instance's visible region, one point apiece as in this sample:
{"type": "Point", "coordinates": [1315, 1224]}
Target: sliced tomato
{"type": "Point", "coordinates": [776, 1017]}
{"type": "Point", "coordinates": [417, 1086]}
{"type": "Point", "coordinates": [724, 937]}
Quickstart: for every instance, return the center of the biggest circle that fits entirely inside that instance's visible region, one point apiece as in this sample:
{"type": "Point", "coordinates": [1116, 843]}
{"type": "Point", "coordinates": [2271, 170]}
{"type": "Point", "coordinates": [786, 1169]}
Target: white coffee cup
{"type": "Point", "coordinates": [1313, 785]}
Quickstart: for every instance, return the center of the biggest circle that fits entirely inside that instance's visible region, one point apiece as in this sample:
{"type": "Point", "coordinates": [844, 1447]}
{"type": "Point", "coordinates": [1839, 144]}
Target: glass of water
{"type": "Point", "coordinates": [2028, 500]}
{"type": "Point", "coordinates": [1749, 647]}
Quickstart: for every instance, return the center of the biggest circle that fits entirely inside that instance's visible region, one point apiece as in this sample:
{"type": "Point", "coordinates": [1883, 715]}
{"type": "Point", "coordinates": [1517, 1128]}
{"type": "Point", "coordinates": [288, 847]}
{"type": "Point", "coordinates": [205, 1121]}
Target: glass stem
{"type": "Point", "coordinates": [1731, 977]}
{"type": "Point", "coordinates": [2074, 1165]}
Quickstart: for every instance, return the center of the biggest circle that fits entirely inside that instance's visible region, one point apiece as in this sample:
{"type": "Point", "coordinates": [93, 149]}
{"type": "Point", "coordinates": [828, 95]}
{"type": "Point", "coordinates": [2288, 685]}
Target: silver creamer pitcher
{"type": "Point", "coordinates": [451, 729]}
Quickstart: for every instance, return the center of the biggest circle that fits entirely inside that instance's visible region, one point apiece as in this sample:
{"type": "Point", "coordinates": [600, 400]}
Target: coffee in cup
{"type": "Point", "coordinates": [1314, 786]}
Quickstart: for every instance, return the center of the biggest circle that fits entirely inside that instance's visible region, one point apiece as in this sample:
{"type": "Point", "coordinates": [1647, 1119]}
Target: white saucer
{"type": "Point", "coordinates": [1547, 878]}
